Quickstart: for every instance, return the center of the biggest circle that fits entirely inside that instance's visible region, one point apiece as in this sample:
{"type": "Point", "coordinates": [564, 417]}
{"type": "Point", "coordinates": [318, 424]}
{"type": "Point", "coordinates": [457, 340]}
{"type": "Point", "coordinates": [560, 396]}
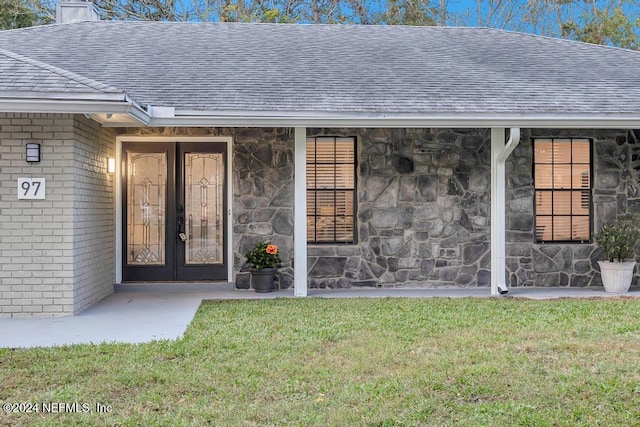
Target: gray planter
{"type": "Point", "coordinates": [262, 280]}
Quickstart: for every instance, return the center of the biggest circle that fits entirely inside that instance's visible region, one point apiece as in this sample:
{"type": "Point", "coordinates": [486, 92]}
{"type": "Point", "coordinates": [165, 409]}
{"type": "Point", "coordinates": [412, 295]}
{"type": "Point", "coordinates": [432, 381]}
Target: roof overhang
{"type": "Point", "coordinates": [183, 118]}
{"type": "Point", "coordinates": [113, 109]}
{"type": "Point", "coordinates": [116, 110]}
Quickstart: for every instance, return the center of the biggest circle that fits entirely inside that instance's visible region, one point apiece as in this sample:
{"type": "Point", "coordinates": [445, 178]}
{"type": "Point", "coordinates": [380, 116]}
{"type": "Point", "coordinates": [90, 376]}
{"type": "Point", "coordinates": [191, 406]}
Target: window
{"type": "Point", "coordinates": [331, 183]}
{"type": "Point", "coordinates": [562, 180]}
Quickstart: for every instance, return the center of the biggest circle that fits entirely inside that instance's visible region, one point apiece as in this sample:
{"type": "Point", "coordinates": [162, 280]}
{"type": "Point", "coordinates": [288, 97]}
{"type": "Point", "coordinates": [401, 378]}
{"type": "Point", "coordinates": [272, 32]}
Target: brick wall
{"type": "Point", "coordinates": [47, 266]}
{"type": "Point", "coordinates": [93, 215]}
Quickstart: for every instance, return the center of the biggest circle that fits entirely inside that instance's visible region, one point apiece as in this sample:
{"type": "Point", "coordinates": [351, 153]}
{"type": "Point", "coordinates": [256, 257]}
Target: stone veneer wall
{"type": "Point", "coordinates": [423, 206]}
{"type": "Point", "coordinates": [616, 189]}
{"type": "Point", "coordinates": [424, 211]}
{"type": "Point", "coordinates": [262, 190]}
{"type": "Point", "coordinates": [263, 198]}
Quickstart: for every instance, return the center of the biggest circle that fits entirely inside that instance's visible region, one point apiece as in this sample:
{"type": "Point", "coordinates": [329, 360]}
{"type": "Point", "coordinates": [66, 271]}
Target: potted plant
{"type": "Point", "coordinates": [264, 259]}
{"type": "Point", "coordinates": [618, 240]}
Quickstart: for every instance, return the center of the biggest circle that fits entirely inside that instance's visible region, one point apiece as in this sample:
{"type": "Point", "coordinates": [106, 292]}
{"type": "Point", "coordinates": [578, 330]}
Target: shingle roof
{"type": "Point", "coordinates": [339, 68]}
{"type": "Point", "coordinates": [19, 74]}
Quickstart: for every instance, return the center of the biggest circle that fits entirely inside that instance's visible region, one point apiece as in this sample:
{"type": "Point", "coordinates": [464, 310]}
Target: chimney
{"type": "Point", "coordinates": [68, 11]}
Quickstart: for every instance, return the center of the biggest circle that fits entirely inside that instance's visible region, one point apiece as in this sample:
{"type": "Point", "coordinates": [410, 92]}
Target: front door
{"type": "Point", "coordinates": [174, 205]}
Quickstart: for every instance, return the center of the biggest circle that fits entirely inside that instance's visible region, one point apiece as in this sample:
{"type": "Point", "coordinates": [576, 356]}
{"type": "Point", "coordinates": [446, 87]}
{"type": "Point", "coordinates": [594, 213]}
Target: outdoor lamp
{"type": "Point", "coordinates": [111, 165]}
{"type": "Point", "coordinates": [33, 152]}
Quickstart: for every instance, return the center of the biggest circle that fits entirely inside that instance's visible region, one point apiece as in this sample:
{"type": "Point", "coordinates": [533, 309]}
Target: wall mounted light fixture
{"type": "Point", "coordinates": [111, 165]}
{"type": "Point", "coordinates": [33, 152]}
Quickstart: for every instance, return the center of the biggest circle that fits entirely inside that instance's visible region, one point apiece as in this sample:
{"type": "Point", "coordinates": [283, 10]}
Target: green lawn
{"type": "Point", "coordinates": [360, 362]}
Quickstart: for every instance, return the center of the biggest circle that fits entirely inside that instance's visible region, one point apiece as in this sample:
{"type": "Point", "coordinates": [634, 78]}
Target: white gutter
{"type": "Point", "coordinates": [353, 120]}
{"type": "Point", "coordinates": [108, 104]}
{"type": "Point", "coordinates": [138, 112]}
{"type": "Point", "coordinates": [63, 96]}
{"type": "Point", "coordinates": [499, 154]}
{"type": "Point", "coordinates": [112, 103]}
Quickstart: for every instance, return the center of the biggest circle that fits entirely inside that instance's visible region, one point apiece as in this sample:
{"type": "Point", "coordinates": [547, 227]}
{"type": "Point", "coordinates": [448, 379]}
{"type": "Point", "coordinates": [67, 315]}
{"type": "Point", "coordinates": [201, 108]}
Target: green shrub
{"type": "Point", "coordinates": [263, 255]}
{"type": "Point", "coordinates": [619, 239]}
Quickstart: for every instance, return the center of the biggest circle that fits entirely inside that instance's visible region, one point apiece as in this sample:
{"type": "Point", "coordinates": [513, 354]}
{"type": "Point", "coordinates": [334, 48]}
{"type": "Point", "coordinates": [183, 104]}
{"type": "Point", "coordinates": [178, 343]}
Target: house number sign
{"type": "Point", "coordinates": [31, 188]}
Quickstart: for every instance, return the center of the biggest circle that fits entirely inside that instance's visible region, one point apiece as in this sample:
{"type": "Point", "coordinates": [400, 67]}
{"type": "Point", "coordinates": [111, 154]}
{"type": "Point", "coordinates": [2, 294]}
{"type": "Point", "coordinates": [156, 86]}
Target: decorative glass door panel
{"type": "Point", "coordinates": [174, 212]}
{"type": "Point", "coordinates": [204, 180]}
{"type": "Point", "coordinates": [146, 201]}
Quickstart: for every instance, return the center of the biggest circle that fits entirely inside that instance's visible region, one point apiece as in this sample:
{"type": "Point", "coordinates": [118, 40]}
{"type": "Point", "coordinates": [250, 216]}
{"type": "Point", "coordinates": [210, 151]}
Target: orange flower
{"type": "Point", "coordinates": [272, 249]}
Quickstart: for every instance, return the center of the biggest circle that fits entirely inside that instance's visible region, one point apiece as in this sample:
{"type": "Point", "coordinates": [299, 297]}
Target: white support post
{"type": "Point", "coordinates": [300, 214]}
{"type": "Point", "coordinates": [117, 198]}
{"type": "Point", "coordinates": [499, 153]}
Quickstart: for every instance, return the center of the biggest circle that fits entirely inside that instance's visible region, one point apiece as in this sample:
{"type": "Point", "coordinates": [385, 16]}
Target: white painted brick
{"type": "Point", "coordinates": [11, 295]}
{"type": "Point", "coordinates": [56, 254]}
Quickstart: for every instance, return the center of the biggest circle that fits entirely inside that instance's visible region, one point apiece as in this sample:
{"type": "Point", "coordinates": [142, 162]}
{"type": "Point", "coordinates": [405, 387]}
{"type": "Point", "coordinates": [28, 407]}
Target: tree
{"type": "Point", "coordinates": [607, 25]}
{"type": "Point", "coordinates": [594, 21]}
{"type": "Point", "coordinates": [144, 10]}
{"type": "Point", "coordinates": [502, 14]}
{"type": "Point", "coordinates": [21, 13]}
{"type": "Point", "coordinates": [408, 12]}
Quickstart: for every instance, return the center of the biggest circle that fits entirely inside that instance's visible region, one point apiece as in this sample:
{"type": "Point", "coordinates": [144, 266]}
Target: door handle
{"type": "Point", "coordinates": [180, 223]}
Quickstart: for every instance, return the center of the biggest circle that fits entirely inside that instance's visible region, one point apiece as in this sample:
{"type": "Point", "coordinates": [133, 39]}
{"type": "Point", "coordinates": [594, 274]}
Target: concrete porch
{"type": "Point", "coordinates": [146, 312]}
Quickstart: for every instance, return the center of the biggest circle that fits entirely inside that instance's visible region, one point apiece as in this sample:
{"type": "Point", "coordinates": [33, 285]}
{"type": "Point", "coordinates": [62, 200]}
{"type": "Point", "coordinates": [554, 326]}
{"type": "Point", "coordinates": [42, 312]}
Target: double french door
{"type": "Point", "coordinates": [174, 205]}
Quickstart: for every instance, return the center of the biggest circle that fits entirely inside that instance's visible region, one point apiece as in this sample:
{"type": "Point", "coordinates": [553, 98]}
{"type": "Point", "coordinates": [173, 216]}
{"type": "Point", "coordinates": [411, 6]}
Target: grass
{"type": "Point", "coordinates": [352, 362]}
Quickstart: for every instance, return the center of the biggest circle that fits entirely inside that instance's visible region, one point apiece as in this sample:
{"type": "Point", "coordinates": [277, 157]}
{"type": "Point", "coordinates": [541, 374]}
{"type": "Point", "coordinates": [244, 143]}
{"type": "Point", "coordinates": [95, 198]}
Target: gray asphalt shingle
{"type": "Point", "coordinates": [21, 74]}
{"type": "Point", "coordinates": [339, 68]}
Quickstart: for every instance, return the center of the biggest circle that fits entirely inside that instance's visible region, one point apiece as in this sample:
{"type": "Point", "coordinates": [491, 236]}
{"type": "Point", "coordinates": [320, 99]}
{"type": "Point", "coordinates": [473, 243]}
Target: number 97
{"type": "Point", "coordinates": [26, 186]}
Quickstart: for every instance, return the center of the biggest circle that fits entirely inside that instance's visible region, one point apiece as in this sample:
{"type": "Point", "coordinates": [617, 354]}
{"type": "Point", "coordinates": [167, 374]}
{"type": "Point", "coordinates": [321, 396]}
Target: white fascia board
{"type": "Point", "coordinates": [64, 96]}
{"type": "Point", "coordinates": [73, 106]}
{"type": "Point", "coordinates": [166, 116]}
{"type": "Point", "coordinates": [477, 120]}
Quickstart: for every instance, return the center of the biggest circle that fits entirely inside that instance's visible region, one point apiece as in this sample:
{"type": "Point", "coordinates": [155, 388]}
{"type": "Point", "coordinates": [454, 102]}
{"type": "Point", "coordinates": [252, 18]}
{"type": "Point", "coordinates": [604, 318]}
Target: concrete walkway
{"type": "Point", "coordinates": [147, 312]}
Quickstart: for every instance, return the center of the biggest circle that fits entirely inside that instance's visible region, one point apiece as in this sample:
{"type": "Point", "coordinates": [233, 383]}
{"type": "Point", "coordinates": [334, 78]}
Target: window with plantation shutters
{"type": "Point", "coordinates": [331, 183]}
{"type": "Point", "coordinates": [562, 179]}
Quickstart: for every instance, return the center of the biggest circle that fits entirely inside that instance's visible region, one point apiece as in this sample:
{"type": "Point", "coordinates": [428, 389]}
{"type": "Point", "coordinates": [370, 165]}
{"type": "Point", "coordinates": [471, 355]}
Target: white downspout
{"type": "Point", "coordinates": [499, 154]}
